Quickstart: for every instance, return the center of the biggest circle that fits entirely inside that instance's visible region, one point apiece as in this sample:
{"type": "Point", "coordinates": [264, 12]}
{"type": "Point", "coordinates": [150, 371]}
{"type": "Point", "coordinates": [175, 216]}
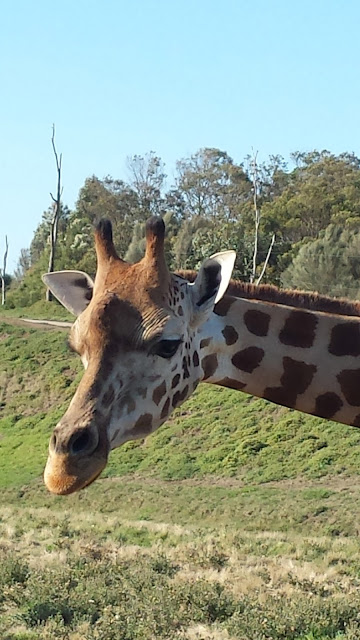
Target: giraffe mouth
{"type": "Point", "coordinates": [62, 477]}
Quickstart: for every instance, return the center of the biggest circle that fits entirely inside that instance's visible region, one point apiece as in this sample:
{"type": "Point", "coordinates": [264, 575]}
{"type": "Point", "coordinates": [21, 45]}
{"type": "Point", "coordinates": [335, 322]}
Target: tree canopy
{"type": "Point", "coordinates": [312, 204]}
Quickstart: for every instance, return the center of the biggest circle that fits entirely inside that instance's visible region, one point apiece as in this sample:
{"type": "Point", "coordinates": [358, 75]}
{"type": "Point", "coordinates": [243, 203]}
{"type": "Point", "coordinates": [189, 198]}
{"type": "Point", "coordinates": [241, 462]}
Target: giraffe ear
{"type": "Point", "coordinates": [73, 289]}
{"type": "Point", "coordinates": [213, 280]}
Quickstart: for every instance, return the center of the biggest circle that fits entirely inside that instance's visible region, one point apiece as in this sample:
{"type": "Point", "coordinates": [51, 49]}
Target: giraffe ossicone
{"type": "Point", "coordinates": [147, 337]}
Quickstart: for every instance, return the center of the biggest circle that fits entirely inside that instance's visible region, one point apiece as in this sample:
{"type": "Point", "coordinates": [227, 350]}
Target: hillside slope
{"type": "Point", "coordinates": [217, 432]}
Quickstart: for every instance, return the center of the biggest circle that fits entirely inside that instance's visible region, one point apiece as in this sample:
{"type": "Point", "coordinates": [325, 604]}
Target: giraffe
{"type": "Point", "coordinates": [147, 337]}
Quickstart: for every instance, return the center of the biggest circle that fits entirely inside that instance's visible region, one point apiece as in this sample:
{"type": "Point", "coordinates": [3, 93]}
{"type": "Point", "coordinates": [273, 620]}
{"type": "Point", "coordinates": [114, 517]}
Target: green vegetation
{"type": "Point", "coordinates": [80, 575]}
{"type": "Point", "coordinates": [209, 207]}
{"type": "Point", "coordinates": [218, 431]}
{"type": "Point", "coordinates": [236, 520]}
{"type": "Point", "coordinates": [332, 261]}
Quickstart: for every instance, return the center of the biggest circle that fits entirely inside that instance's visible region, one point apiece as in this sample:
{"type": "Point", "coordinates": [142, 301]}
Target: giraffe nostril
{"type": "Point", "coordinates": [82, 442]}
{"type": "Point", "coordinates": [53, 442]}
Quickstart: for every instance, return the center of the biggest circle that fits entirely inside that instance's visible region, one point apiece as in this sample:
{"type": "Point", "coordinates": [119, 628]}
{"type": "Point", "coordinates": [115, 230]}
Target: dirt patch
{"type": "Point", "coordinates": [36, 324]}
{"type": "Point", "coordinates": [338, 483]}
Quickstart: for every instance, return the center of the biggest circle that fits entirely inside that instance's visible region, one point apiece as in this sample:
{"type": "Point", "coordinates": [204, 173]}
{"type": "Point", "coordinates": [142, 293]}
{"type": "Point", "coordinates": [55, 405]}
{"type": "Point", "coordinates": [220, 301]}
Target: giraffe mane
{"type": "Point", "coordinates": [300, 299]}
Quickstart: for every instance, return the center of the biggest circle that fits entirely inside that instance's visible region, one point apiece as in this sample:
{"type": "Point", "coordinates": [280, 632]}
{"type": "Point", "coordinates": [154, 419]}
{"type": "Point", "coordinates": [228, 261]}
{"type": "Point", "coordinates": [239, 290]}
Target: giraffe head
{"type": "Point", "coordinates": [137, 333]}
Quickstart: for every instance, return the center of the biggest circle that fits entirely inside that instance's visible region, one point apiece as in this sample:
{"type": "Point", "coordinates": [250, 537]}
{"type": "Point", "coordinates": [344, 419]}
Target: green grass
{"type": "Point", "coordinates": [236, 520]}
{"type": "Point", "coordinates": [40, 310]}
{"type": "Point", "coordinates": [218, 432]}
{"type": "Point", "coordinates": [83, 574]}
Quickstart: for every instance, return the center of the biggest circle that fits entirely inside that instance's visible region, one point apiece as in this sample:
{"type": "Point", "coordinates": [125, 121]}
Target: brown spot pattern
{"type": "Point", "coordinates": [175, 381]}
{"type": "Point", "coordinates": [230, 334]}
{"type": "Point", "coordinates": [299, 329]}
{"type": "Point", "coordinates": [248, 359]}
{"type": "Point", "coordinates": [180, 396]}
{"type": "Point", "coordinates": [327, 404]}
{"type": "Point", "coordinates": [209, 365]}
{"type": "Point", "coordinates": [143, 425]}
{"type": "Point", "coordinates": [231, 383]}
{"type": "Point", "coordinates": [128, 402]}
{"type": "Point", "coordinates": [196, 359]}
{"type": "Point", "coordinates": [356, 422]}
{"type": "Point", "coordinates": [185, 368]}
{"type": "Point", "coordinates": [165, 409]}
{"type": "Point", "coordinates": [205, 342]}
{"type": "Point", "coordinates": [223, 306]}
{"type": "Point", "coordinates": [257, 322]}
{"type": "Point", "coordinates": [296, 378]}
{"type": "Point", "coordinates": [349, 380]}
{"type": "Point", "coordinates": [159, 393]}
{"type": "Point", "coordinates": [345, 339]}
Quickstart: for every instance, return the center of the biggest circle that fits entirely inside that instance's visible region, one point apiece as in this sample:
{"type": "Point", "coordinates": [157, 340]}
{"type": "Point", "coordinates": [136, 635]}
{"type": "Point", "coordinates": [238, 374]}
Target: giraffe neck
{"type": "Point", "coordinates": [303, 359]}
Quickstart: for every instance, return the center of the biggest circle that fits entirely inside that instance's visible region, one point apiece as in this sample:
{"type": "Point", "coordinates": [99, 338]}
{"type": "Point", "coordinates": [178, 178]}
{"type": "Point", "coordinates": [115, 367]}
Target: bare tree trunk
{"type": "Point", "coordinates": [257, 217]}
{"type": "Point", "coordinates": [3, 272]}
{"type": "Point", "coordinates": [56, 212]}
{"type": "Point", "coordinates": [266, 260]}
{"type": "Point", "coordinates": [254, 169]}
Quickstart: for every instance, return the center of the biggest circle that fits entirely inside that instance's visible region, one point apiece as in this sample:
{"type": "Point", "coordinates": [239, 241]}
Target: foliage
{"type": "Point", "coordinates": [176, 546]}
{"type": "Point", "coordinates": [147, 178]}
{"type": "Point", "coordinates": [211, 186]}
{"type": "Point", "coordinates": [218, 431]}
{"type": "Point", "coordinates": [322, 189]}
{"type": "Point", "coordinates": [329, 264]}
{"type": "Point", "coordinates": [30, 288]}
{"type": "Point", "coordinates": [209, 207]}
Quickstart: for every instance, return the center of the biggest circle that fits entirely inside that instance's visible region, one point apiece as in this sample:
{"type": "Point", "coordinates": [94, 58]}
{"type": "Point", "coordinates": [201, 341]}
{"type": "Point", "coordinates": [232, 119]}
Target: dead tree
{"type": "Point", "coordinates": [54, 223]}
{"type": "Point", "coordinates": [3, 272]}
{"type": "Point", "coordinates": [254, 171]}
{"type": "Point", "coordinates": [255, 181]}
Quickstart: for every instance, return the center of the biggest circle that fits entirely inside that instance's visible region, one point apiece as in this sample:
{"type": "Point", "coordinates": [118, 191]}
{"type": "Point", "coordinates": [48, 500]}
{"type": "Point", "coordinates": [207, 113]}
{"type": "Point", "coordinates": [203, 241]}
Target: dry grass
{"type": "Point", "coordinates": [200, 632]}
{"type": "Point", "coordinates": [245, 562]}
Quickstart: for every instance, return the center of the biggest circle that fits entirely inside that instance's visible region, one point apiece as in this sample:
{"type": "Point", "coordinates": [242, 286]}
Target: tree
{"type": "Point", "coordinates": [329, 264]}
{"type": "Point", "coordinates": [55, 213]}
{"type": "Point", "coordinates": [3, 273]}
{"type": "Point", "coordinates": [256, 190]}
{"type": "Point", "coordinates": [182, 245]}
{"type": "Point", "coordinates": [136, 248]}
{"type": "Point", "coordinates": [210, 185]}
{"type": "Point", "coordinates": [147, 177]}
{"type": "Point", "coordinates": [321, 189]}
{"type": "Point", "coordinates": [23, 264]}
{"type": "Point", "coordinates": [113, 199]}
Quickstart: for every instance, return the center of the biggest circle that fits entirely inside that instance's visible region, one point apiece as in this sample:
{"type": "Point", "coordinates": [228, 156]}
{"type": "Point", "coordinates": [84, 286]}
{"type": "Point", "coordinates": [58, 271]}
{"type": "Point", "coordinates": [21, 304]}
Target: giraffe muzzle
{"type": "Point", "coordinates": [75, 459]}
{"type": "Point", "coordinates": [83, 441]}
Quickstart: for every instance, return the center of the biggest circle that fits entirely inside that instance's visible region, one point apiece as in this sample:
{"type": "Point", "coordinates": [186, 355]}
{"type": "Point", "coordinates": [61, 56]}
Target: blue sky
{"type": "Point", "coordinates": [125, 77]}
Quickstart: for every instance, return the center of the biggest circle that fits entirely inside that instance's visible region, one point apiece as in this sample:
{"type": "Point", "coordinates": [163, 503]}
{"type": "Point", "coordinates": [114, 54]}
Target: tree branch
{"type": "Point", "coordinates": [56, 211]}
{"type": "Point", "coordinates": [266, 260]}
{"type": "Point", "coordinates": [256, 214]}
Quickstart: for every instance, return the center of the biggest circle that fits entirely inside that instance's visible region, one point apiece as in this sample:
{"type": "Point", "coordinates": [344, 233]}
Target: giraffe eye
{"type": "Point", "coordinates": [166, 348]}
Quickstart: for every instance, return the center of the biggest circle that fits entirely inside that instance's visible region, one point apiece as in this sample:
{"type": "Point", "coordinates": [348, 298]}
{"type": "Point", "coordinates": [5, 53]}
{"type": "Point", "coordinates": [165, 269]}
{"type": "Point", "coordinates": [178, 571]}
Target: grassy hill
{"type": "Point", "coordinates": [218, 432]}
{"type": "Point", "coordinates": [236, 520]}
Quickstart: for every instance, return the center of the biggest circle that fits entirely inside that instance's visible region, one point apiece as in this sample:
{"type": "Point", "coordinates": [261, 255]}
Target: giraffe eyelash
{"type": "Point", "coordinates": [166, 348]}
